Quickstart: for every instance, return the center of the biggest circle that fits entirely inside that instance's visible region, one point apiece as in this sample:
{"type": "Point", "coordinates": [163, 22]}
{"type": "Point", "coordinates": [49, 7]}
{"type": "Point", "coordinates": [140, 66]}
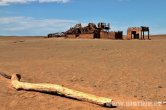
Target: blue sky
{"type": "Point", "coordinates": [40, 17]}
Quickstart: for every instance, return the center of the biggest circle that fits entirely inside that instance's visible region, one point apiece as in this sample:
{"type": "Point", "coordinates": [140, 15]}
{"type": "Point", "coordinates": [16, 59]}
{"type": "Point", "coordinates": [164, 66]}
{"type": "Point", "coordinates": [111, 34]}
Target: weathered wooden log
{"type": "Point", "coordinates": [58, 89]}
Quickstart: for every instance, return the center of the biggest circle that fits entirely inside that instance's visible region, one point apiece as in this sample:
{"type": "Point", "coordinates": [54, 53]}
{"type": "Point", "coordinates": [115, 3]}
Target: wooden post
{"type": "Point", "coordinates": [148, 35]}
{"type": "Point", "coordinates": [143, 35]}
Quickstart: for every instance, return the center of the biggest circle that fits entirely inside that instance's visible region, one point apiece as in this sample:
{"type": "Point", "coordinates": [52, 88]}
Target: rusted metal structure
{"type": "Point", "coordinates": [56, 34]}
{"type": "Point", "coordinates": [137, 32]}
{"type": "Point", "coordinates": [104, 26]}
{"type": "Point", "coordinates": [91, 31]}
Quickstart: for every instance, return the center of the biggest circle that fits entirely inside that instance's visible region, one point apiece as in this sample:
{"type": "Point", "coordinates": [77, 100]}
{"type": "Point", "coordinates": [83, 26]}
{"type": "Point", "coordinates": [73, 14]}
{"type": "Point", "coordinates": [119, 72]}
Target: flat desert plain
{"type": "Point", "coordinates": [124, 70]}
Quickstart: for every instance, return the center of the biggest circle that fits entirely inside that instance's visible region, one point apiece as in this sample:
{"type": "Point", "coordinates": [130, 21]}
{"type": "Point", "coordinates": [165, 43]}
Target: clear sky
{"type": "Point", "coordinates": [40, 17]}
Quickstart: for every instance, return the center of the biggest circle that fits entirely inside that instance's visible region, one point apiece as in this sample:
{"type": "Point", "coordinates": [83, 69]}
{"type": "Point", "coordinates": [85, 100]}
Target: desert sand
{"type": "Point", "coordinates": [124, 70]}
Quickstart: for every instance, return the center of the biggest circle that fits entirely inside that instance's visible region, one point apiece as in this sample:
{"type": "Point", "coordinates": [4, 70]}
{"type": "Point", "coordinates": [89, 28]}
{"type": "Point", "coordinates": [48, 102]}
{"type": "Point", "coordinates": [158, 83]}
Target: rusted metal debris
{"type": "Point", "coordinates": [79, 29]}
{"type": "Point", "coordinates": [90, 31]}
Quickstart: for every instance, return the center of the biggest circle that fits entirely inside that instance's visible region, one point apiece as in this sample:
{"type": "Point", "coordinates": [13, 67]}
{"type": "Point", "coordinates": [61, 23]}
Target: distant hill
{"type": "Point", "coordinates": [159, 35]}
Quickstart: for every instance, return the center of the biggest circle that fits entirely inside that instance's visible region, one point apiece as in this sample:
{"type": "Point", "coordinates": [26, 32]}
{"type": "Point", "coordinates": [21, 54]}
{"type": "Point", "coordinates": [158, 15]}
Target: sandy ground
{"type": "Point", "coordinates": [119, 69]}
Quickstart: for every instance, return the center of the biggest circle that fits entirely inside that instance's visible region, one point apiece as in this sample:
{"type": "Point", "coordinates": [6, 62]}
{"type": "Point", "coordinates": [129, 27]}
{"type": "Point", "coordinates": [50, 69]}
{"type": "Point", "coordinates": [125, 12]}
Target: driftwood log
{"type": "Point", "coordinates": [58, 89]}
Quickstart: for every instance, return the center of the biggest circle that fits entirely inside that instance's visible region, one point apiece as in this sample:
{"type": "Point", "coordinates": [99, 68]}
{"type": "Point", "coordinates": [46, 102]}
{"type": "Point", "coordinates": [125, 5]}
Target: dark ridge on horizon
{"type": "Point", "coordinates": [158, 35]}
